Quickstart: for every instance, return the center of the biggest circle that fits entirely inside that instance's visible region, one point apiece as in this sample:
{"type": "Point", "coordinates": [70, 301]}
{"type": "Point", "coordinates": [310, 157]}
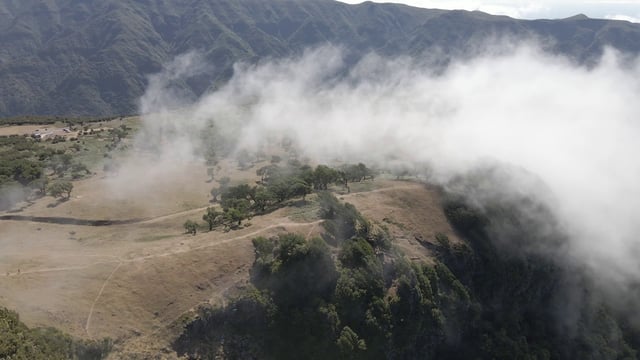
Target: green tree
{"type": "Point", "coordinates": [280, 189]}
{"type": "Point", "coordinates": [61, 189]}
{"type": "Point", "coordinates": [239, 192]}
{"type": "Point", "coordinates": [323, 176]}
{"type": "Point", "coordinates": [191, 227]}
{"type": "Point", "coordinates": [215, 192]}
{"type": "Point", "coordinates": [350, 344]}
{"type": "Point", "coordinates": [212, 217]}
{"type": "Point", "coordinates": [26, 171]}
{"type": "Point", "coordinates": [61, 163]}
{"type": "Point", "coordinates": [19, 342]}
{"type": "Point", "coordinates": [235, 215]}
{"type": "Point", "coordinates": [262, 198]}
{"type": "Point", "coordinates": [300, 188]}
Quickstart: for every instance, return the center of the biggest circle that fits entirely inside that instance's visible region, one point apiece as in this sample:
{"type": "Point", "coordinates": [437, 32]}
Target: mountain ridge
{"type": "Point", "coordinates": [92, 58]}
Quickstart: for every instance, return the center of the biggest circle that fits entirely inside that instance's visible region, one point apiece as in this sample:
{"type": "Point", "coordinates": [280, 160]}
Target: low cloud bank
{"type": "Point", "coordinates": [575, 129]}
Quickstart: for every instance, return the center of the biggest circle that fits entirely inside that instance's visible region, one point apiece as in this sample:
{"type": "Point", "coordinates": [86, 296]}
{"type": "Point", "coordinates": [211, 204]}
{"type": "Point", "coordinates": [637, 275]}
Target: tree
{"type": "Point", "coordinates": [42, 184]}
{"type": "Point", "coordinates": [212, 217]}
{"type": "Point", "coordinates": [301, 188]}
{"type": "Point", "coordinates": [266, 172]}
{"type": "Point", "coordinates": [233, 215]}
{"type": "Point", "coordinates": [224, 184]}
{"type": "Point", "coordinates": [61, 189]}
{"type": "Point", "coordinates": [350, 344]}
{"type": "Point", "coordinates": [262, 198]}
{"type": "Point", "coordinates": [215, 192]}
{"type": "Point", "coordinates": [61, 163]}
{"type": "Point", "coordinates": [323, 176]}
{"type": "Point", "coordinates": [243, 191]}
{"type": "Point", "coordinates": [77, 169]}
{"type": "Point", "coordinates": [191, 227]}
{"type": "Point", "coordinates": [26, 171]}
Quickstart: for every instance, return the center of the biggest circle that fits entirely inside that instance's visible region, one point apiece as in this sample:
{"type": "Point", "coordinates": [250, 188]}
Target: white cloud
{"type": "Point", "coordinates": [623, 17]}
{"type": "Point", "coordinates": [574, 128]}
{"type": "Point", "coordinates": [528, 9]}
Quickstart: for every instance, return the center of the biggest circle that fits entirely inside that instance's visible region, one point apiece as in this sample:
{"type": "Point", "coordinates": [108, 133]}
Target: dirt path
{"type": "Point", "coordinates": [171, 216]}
{"type": "Point", "coordinates": [88, 222]}
{"type": "Point", "coordinates": [119, 260]}
{"type": "Point", "coordinates": [261, 230]}
{"type": "Point", "coordinates": [104, 285]}
{"type": "Point", "coordinates": [122, 260]}
{"type": "Point", "coordinates": [384, 189]}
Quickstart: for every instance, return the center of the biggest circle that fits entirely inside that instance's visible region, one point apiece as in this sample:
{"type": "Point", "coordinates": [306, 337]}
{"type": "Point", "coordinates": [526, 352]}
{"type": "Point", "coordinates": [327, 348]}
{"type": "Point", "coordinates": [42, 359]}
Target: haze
{"type": "Point", "coordinates": [575, 128]}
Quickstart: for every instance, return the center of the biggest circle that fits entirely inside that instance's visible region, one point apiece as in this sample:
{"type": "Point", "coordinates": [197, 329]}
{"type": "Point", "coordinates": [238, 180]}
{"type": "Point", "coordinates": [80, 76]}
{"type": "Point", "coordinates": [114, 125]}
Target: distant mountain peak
{"type": "Point", "coordinates": [578, 17]}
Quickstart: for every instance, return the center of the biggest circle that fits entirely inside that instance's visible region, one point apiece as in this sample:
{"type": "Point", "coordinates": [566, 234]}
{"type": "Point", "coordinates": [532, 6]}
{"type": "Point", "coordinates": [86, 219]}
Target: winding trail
{"type": "Point", "coordinates": [384, 189]}
{"type": "Point", "coordinates": [104, 285]}
{"type": "Point", "coordinates": [97, 222]}
{"type": "Point", "coordinates": [170, 253]}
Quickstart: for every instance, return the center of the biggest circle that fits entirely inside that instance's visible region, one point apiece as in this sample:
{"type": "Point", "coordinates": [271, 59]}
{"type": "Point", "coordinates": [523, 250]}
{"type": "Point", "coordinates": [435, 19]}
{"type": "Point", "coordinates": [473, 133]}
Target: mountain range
{"type": "Point", "coordinates": [93, 57]}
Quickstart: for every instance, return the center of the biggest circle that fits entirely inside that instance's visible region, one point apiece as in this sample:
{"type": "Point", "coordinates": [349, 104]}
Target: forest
{"type": "Point", "coordinates": [353, 295]}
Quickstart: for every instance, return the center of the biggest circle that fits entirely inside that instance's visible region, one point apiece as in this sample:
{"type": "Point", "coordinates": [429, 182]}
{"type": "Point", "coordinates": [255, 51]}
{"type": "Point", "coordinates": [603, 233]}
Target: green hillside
{"type": "Point", "coordinates": [92, 57]}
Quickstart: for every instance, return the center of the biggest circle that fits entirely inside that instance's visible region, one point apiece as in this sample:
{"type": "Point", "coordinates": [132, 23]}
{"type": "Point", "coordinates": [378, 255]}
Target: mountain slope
{"type": "Point", "coordinates": [91, 57]}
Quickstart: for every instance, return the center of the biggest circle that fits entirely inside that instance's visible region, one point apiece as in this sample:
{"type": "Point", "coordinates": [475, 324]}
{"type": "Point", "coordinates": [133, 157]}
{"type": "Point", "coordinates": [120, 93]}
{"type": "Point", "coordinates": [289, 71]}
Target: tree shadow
{"type": "Point", "coordinates": [297, 203]}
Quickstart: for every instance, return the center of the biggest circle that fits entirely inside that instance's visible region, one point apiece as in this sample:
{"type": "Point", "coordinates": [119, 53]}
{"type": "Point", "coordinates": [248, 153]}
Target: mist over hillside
{"type": "Point", "coordinates": [63, 57]}
{"type": "Point", "coordinates": [311, 179]}
{"type": "Point", "coordinates": [559, 133]}
{"type": "Point", "coordinates": [535, 150]}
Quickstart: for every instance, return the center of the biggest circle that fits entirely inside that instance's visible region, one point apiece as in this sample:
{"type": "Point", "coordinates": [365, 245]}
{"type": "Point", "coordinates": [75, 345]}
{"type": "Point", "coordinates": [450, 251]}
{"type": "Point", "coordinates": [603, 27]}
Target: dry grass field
{"type": "Point", "coordinates": [136, 283]}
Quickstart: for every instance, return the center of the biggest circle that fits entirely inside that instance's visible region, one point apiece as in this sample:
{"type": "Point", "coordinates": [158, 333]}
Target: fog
{"type": "Point", "coordinates": [573, 129]}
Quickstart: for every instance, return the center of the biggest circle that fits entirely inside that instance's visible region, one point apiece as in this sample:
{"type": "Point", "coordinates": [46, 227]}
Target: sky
{"type": "Point", "coordinates": [526, 9]}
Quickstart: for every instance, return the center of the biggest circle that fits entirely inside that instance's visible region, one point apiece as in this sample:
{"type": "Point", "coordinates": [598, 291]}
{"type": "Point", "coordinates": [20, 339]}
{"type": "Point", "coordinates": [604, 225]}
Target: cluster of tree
{"type": "Point", "coordinates": [22, 160]}
{"type": "Point", "coordinates": [19, 342]}
{"type": "Point", "coordinates": [116, 136]}
{"type": "Point", "coordinates": [277, 184]}
{"type": "Point", "coordinates": [41, 119]}
{"type": "Point", "coordinates": [306, 304]}
{"type": "Point", "coordinates": [372, 303]}
{"type": "Point", "coordinates": [522, 294]}
{"type": "Point", "coordinates": [26, 165]}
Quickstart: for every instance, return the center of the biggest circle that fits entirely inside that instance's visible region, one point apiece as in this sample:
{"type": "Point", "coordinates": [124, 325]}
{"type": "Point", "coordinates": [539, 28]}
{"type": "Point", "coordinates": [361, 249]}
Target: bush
{"type": "Point", "coordinates": [191, 227]}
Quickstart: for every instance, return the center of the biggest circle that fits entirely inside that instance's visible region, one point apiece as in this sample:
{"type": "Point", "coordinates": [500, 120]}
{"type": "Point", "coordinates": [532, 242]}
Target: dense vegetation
{"type": "Point", "coordinates": [92, 58]}
{"type": "Point", "coordinates": [48, 120]}
{"type": "Point", "coordinates": [278, 184]}
{"type": "Point", "coordinates": [354, 296]}
{"type": "Point", "coordinates": [18, 342]}
{"type": "Point", "coordinates": [34, 167]}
